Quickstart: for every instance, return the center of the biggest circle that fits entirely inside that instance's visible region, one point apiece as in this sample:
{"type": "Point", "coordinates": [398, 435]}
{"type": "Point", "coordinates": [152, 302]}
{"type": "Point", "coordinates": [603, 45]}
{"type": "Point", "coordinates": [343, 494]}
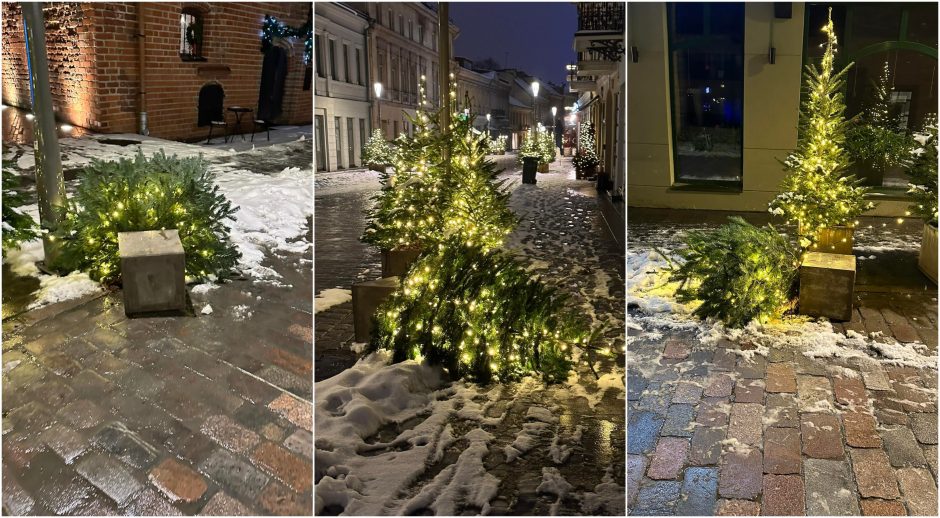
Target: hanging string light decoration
{"type": "Point", "coordinates": [153, 193]}
{"type": "Point", "coordinates": [273, 28]}
{"type": "Point", "coordinates": [817, 193]}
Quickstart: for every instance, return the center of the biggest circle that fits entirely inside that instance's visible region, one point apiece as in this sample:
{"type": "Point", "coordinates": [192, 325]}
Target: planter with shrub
{"type": "Point", "coordinates": [923, 189]}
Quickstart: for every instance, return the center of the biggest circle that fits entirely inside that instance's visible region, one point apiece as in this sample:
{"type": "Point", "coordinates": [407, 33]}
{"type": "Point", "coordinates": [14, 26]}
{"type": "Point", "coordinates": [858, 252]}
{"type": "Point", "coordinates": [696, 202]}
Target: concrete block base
{"type": "Point", "coordinates": [395, 263]}
{"type": "Point", "coordinates": [927, 260]}
{"type": "Point", "coordinates": [366, 298]}
{"type": "Point", "coordinates": [835, 240]}
{"type": "Point", "coordinates": [827, 285]}
{"type": "Point", "coordinates": [153, 270]}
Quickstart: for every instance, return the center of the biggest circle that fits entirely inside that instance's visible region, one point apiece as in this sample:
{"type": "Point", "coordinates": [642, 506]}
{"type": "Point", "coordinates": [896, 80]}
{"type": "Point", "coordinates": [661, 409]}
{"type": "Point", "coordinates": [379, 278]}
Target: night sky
{"type": "Point", "coordinates": [538, 36]}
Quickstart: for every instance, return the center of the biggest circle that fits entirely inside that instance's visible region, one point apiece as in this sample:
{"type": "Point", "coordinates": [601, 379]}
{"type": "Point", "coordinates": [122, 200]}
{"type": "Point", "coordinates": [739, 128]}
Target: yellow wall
{"type": "Point", "coordinates": [771, 111]}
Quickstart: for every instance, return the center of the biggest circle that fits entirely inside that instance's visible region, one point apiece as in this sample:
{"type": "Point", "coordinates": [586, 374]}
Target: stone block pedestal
{"type": "Point", "coordinates": [395, 263]}
{"type": "Point", "coordinates": [827, 285]}
{"type": "Point", "coordinates": [366, 298]}
{"type": "Point", "coordinates": [153, 270]}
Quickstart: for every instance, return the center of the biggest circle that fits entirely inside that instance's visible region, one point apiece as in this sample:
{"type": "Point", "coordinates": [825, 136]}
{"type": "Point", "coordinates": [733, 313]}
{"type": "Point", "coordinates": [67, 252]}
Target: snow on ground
{"type": "Point", "coordinates": [272, 216]}
{"type": "Point", "coordinates": [650, 291]}
{"type": "Point", "coordinates": [342, 181]}
{"type": "Point", "coordinates": [331, 297]}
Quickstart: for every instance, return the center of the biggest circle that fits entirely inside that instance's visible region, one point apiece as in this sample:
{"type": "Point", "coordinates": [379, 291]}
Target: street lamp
{"type": "Point", "coordinates": [554, 111]}
{"type": "Point", "coordinates": [378, 106]}
{"type": "Point", "coordinates": [487, 125]}
{"type": "Point", "coordinates": [535, 95]}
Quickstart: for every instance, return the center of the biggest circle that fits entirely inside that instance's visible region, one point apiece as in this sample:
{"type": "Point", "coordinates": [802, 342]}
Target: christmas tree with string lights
{"type": "Point", "coordinates": [378, 152]}
{"type": "Point", "coordinates": [817, 193]}
{"type": "Point", "coordinates": [586, 156]}
{"type": "Point", "coordinates": [18, 226]}
{"type": "Point", "coordinates": [877, 139]}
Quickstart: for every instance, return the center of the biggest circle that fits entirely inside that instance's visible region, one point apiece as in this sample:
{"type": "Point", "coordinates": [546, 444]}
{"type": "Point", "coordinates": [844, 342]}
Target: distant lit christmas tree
{"type": "Point", "coordinates": [378, 151]}
{"type": "Point", "coordinates": [586, 156]}
{"type": "Point", "coordinates": [546, 144]}
{"type": "Point", "coordinates": [816, 192]}
{"type": "Point", "coordinates": [923, 174]}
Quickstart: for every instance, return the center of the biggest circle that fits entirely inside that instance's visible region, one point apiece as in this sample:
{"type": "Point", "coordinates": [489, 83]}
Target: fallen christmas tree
{"type": "Point", "coordinates": [464, 304]}
{"type": "Point", "coordinates": [154, 193]}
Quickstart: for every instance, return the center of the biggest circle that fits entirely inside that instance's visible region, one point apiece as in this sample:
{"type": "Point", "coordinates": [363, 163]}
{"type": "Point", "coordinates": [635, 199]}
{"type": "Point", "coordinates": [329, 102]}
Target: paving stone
{"type": "Point", "coordinates": [108, 475]}
{"type": "Point", "coordinates": [223, 505]}
{"type": "Point", "coordinates": [636, 384]}
{"type": "Point", "coordinates": [878, 507]}
{"type": "Point", "coordinates": [16, 500]}
{"type": "Point", "coordinates": [97, 505]}
{"type": "Point", "coordinates": [291, 469]}
{"type": "Point", "coordinates": [919, 491]}
{"type": "Point", "coordinates": [294, 410]}
{"type": "Point", "coordinates": [232, 473]}
{"type": "Point", "coordinates": [300, 442]}
{"type": "Point", "coordinates": [713, 412]}
{"type": "Point", "coordinates": [676, 349]}
{"type": "Point", "coordinates": [734, 507]}
{"type": "Point", "coordinates": [66, 442]}
{"type": "Point", "coordinates": [888, 417]}
{"type": "Point", "coordinates": [126, 445]}
{"type": "Point", "coordinates": [873, 474]}
{"type": "Point", "coordinates": [782, 411]}
{"type": "Point", "coordinates": [924, 427]}
{"type": "Point", "coordinates": [780, 378]}
{"type": "Point", "coordinates": [740, 474]}
{"type": "Point", "coordinates": [636, 469]}
{"type": "Point", "coordinates": [82, 413]}
{"type": "Point", "coordinates": [930, 453]}
{"type": "Point", "coordinates": [225, 431]}
{"type": "Point", "coordinates": [642, 431]}
{"type": "Point", "coordinates": [783, 495]}
{"type": "Point", "coordinates": [781, 451]}
{"type": "Point", "coordinates": [177, 481]}
{"type": "Point", "coordinates": [745, 423]}
{"type": "Point", "coordinates": [860, 430]}
{"type": "Point", "coordinates": [822, 437]}
{"type": "Point", "coordinates": [656, 398]}
{"type": "Point", "coordinates": [719, 385]}
{"type": "Point", "coordinates": [657, 498]}
{"type": "Point", "coordinates": [780, 354]}
{"type": "Point", "coordinates": [279, 501]}
{"type": "Point", "coordinates": [901, 447]}
{"type": "Point", "coordinates": [149, 503]}
{"type": "Point", "coordinates": [812, 391]}
{"type": "Point", "coordinates": [668, 459]}
{"type": "Point", "coordinates": [830, 489]}
{"type": "Point", "coordinates": [698, 493]}
{"type": "Point", "coordinates": [849, 391]}
{"type": "Point", "coordinates": [904, 333]}
{"type": "Point", "coordinates": [678, 421]}
{"type": "Point", "coordinates": [724, 360]}
{"type": "Point", "coordinates": [875, 378]}
{"type": "Point", "coordinates": [687, 392]}
{"type": "Point", "coordinates": [754, 368]}
{"type": "Point", "coordinates": [272, 432]}
{"type": "Point", "coordinates": [810, 366]}
{"type": "Point", "coordinates": [749, 391]}
{"type": "Point", "coordinates": [705, 448]}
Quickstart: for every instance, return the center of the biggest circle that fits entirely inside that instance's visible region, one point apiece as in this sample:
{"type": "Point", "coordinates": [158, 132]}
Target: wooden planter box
{"type": "Point", "coordinates": [927, 260]}
{"type": "Point", "coordinates": [395, 263]}
{"type": "Point", "coordinates": [827, 285]}
{"type": "Point", "coordinates": [378, 167]}
{"type": "Point", "coordinates": [366, 298]}
{"type": "Point", "coordinates": [835, 240]}
{"type": "Point", "coordinates": [543, 167]}
{"type": "Point", "coordinates": [529, 167]}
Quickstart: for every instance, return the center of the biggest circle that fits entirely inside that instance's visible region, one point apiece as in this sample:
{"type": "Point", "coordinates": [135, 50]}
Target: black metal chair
{"type": "Point", "coordinates": [218, 124]}
{"type": "Point", "coordinates": [263, 124]}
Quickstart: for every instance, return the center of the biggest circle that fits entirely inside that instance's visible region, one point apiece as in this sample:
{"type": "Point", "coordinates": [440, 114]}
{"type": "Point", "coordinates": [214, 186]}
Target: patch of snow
{"type": "Point", "coordinates": [331, 297]}
{"type": "Point", "coordinates": [202, 289]}
{"type": "Point", "coordinates": [607, 498]}
{"type": "Point", "coordinates": [53, 288]}
{"type": "Point", "coordinates": [241, 312]}
{"type": "Point", "coordinates": [554, 483]}
{"type": "Point", "coordinates": [206, 310]}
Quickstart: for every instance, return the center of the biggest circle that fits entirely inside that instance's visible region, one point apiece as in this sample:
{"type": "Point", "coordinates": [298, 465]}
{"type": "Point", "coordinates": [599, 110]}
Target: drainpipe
{"type": "Point", "coordinates": [142, 66]}
{"type": "Point", "coordinates": [367, 53]}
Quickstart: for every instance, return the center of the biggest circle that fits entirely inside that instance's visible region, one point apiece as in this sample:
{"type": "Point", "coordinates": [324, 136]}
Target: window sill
{"type": "Point", "coordinates": [706, 186]}
{"type": "Point", "coordinates": [191, 59]}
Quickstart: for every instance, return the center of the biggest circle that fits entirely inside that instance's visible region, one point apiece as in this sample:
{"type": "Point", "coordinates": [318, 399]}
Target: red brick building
{"type": "Point", "coordinates": [192, 54]}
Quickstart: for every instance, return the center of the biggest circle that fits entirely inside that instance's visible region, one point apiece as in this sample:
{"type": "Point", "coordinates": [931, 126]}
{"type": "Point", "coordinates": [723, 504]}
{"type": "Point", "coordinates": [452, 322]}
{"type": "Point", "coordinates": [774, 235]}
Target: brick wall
{"type": "Point", "coordinates": [97, 84]}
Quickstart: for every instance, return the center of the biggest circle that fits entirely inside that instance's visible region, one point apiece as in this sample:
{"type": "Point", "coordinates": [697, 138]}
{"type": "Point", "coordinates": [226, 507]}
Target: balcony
{"type": "Point", "coordinates": [599, 41]}
{"type": "Point", "coordinates": [580, 83]}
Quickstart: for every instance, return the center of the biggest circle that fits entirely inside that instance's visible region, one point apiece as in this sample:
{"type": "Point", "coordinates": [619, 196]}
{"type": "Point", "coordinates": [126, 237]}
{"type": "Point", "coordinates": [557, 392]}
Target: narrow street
{"type": "Point", "coordinates": [790, 417]}
{"type": "Point", "coordinates": [525, 447]}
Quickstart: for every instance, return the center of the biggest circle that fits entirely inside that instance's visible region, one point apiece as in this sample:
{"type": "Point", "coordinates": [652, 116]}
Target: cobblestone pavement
{"type": "Point", "coordinates": [199, 414]}
{"type": "Point", "coordinates": [562, 235]}
{"type": "Point", "coordinates": [733, 429]}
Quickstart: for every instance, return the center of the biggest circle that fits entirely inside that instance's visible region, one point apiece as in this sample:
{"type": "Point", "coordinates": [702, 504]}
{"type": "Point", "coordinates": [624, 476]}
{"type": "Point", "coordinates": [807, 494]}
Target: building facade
{"type": "Point", "coordinates": [101, 80]}
{"type": "Point", "coordinates": [342, 118]}
{"type": "Point", "coordinates": [403, 47]}
{"type": "Point", "coordinates": [487, 92]}
{"type": "Point", "coordinates": [715, 93]}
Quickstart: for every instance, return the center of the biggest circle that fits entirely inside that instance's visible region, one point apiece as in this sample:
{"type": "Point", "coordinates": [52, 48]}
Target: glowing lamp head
{"type": "Point", "coordinates": [378, 89]}
{"type": "Point", "coordinates": [66, 128]}
{"type": "Point", "coordinates": [487, 117]}
{"type": "Point", "coordinates": [535, 88]}
{"type": "Point", "coordinates": [30, 116]}
{"type": "Point", "coordinates": [554, 111]}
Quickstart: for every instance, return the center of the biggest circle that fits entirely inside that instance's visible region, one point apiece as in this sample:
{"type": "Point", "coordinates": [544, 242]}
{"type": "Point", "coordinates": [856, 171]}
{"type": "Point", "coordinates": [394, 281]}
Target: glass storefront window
{"type": "Point", "coordinates": [706, 44]}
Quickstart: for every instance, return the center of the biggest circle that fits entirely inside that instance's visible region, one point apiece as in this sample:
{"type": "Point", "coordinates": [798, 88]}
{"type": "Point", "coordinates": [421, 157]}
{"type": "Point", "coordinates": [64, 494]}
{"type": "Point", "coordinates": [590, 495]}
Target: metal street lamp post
{"type": "Point", "coordinates": [378, 105]}
{"type": "Point", "coordinates": [535, 98]}
{"type": "Point", "coordinates": [487, 125]}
